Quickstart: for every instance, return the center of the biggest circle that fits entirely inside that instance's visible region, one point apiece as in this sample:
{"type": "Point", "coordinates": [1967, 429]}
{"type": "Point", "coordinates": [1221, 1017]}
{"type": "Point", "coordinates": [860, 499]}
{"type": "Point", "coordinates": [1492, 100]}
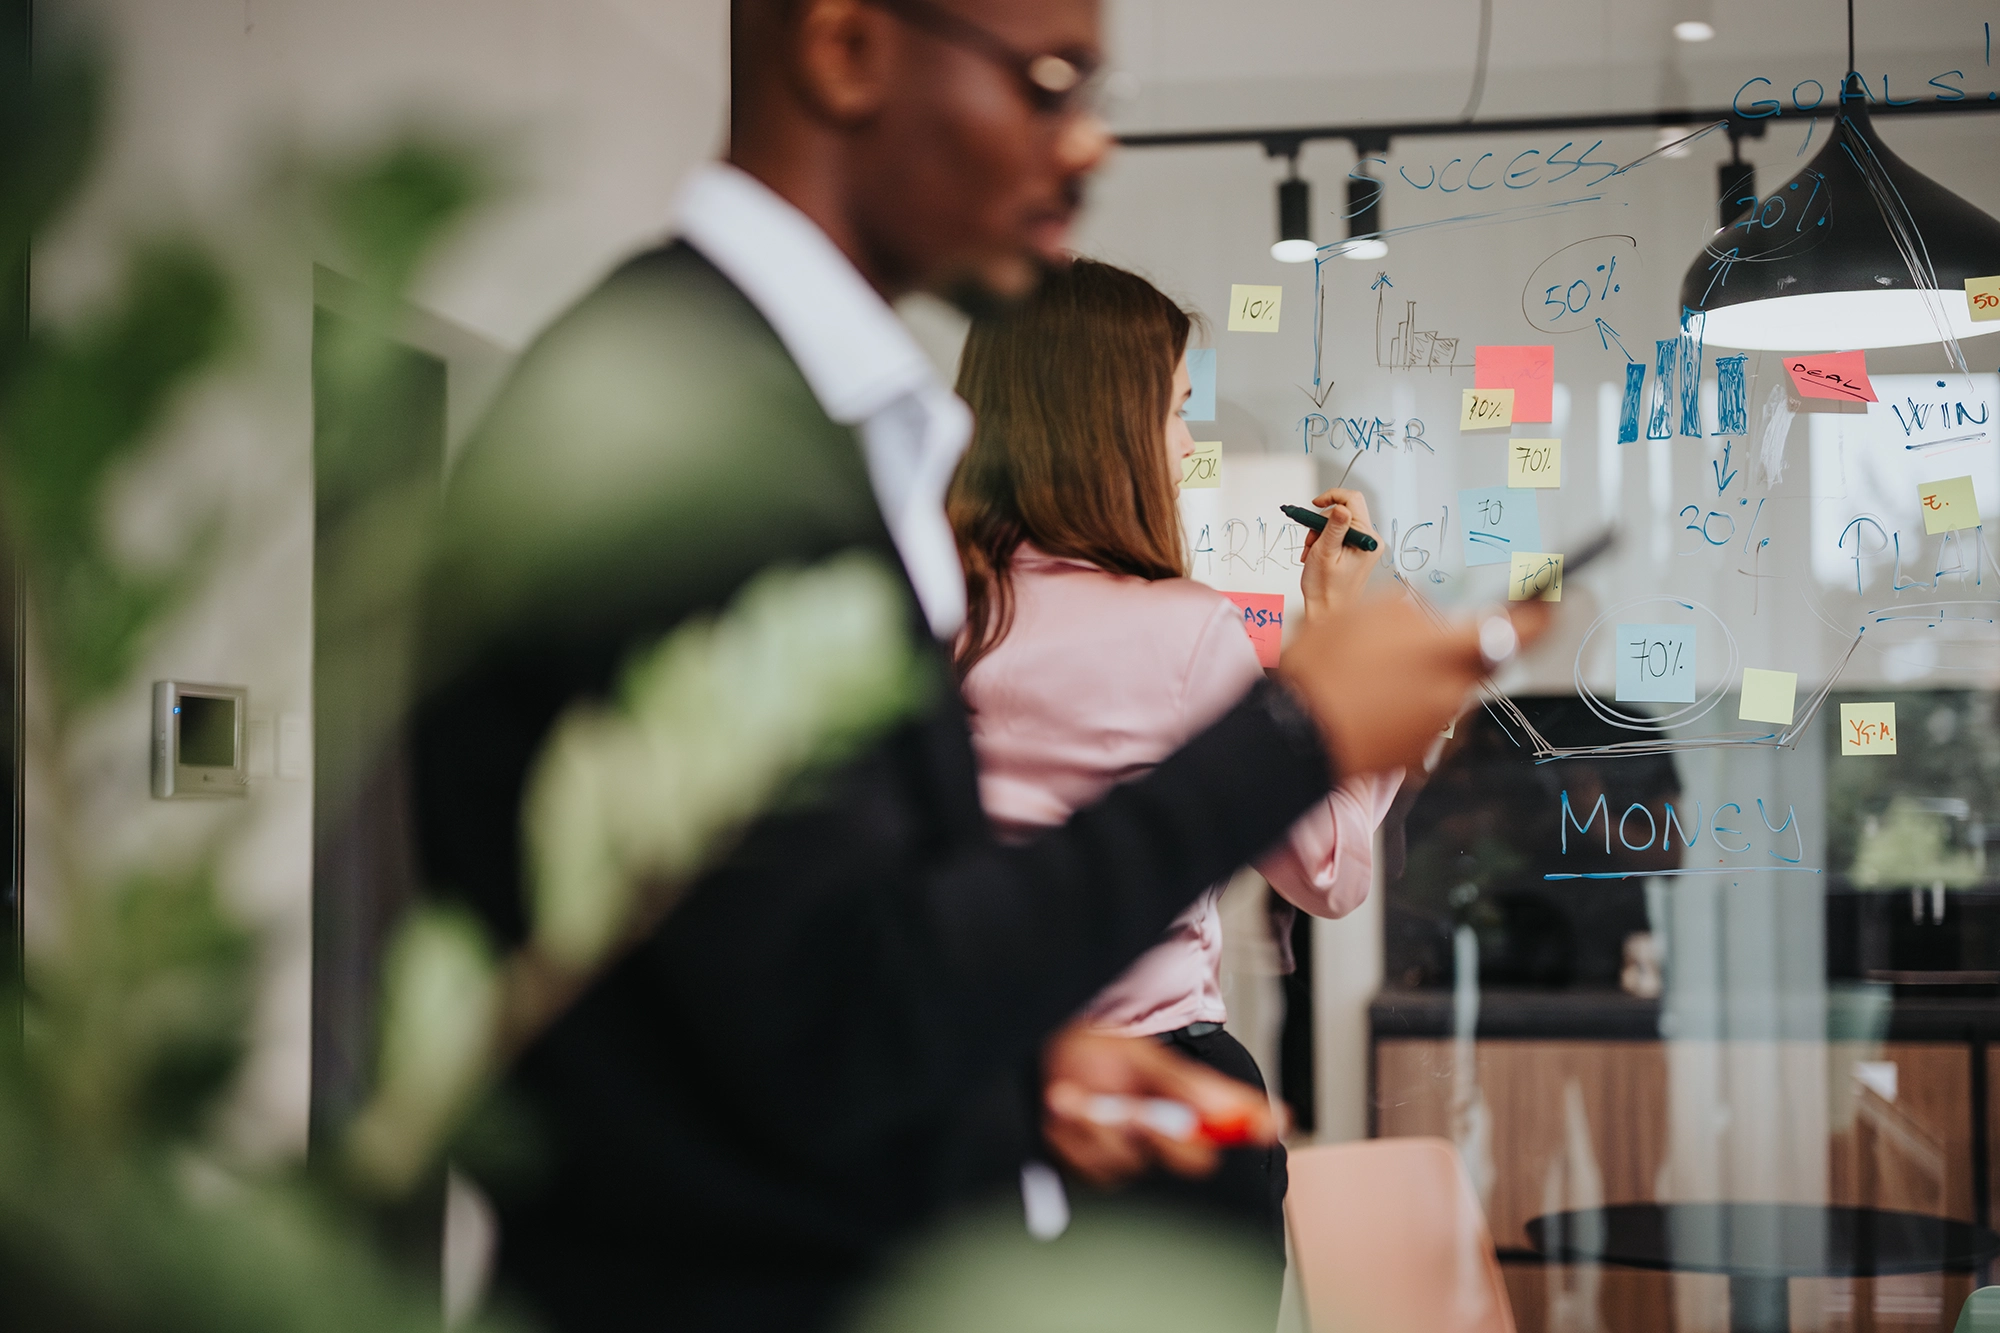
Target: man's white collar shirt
{"type": "Point", "coordinates": [860, 361]}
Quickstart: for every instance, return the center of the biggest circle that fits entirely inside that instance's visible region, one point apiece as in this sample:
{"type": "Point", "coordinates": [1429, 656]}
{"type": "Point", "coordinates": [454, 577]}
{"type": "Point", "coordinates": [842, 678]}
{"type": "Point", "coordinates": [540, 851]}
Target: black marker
{"type": "Point", "coordinates": [1315, 520]}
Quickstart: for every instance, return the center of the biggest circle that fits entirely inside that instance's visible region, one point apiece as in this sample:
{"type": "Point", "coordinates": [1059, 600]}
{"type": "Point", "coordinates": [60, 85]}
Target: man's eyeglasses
{"type": "Point", "coordinates": [1055, 85]}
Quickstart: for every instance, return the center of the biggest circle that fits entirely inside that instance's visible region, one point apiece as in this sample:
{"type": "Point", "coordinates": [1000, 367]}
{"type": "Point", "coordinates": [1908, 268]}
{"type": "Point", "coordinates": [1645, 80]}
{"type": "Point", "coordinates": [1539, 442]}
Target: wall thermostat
{"type": "Point", "coordinates": [198, 740]}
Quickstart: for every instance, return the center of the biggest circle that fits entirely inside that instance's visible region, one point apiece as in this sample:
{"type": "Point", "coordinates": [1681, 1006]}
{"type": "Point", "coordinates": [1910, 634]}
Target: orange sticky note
{"type": "Point", "coordinates": [1529, 371]}
{"type": "Point", "coordinates": [1868, 728]}
{"type": "Point", "coordinates": [1263, 621]}
{"type": "Point", "coordinates": [1842, 376]}
{"type": "Point", "coordinates": [1948, 505]}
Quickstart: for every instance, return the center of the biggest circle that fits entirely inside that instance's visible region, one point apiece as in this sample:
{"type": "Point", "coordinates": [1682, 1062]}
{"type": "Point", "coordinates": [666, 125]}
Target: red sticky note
{"type": "Point", "coordinates": [1838, 375]}
{"type": "Point", "coordinates": [1529, 371]}
{"type": "Point", "coordinates": [1263, 621]}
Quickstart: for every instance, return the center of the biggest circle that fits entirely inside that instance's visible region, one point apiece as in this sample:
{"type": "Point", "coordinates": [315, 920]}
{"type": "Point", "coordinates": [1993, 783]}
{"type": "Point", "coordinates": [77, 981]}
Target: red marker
{"type": "Point", "coordinates": [1175, 1120]}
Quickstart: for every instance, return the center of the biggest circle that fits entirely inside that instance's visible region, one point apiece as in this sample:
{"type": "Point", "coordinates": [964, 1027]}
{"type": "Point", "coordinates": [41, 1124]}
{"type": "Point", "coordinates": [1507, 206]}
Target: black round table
{"type": "Point", "coordinates": [1762, 1245]}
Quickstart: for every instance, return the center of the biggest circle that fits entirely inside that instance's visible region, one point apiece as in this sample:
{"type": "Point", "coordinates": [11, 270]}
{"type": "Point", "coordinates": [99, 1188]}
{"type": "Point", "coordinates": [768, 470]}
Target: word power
{"type": "Point", "coordinates": [1768, 696]}
{"type": "Point", "coordinates": [1363, 432]}
{"type": "Point", "coordinates": [1867, 729]}
{"type": "Point", "coordinates": [1948, 505]}
{"type": "Point", "coordinates": [1656, 664]}
{"type": "Point", "coordinates": [1533, 575]}
{"type": "Point", "coordinates": [1534, 463]}
{"type": "Point", "coordinates": [1202, 469]}
{"type": "Point", "coordinates": [1254, 309]}
{"type": "Point", "coordinates": [1486, 409]}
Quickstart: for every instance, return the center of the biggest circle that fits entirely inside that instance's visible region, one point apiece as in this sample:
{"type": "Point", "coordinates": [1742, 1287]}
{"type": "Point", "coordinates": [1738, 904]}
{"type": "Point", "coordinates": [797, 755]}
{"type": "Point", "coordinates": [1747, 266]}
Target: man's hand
{"type": "Point", "coordinates": [1335, 571]}
{"type": "Point", "coordinates": [1079, 1065]}
{"type": "Point", "coordinates": [1382, 679]}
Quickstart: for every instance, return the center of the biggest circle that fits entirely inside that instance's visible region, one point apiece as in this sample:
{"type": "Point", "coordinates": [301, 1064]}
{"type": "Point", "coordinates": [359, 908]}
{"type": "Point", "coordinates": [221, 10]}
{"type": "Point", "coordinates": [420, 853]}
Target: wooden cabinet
{"type": "Point", "coordinates": [1548, 1125]}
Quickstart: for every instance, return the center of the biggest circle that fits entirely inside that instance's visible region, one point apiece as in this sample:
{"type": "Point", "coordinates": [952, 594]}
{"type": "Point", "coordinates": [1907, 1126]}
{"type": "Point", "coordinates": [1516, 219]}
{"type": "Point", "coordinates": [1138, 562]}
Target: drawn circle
{"type": "Point", "coordinates": [1598, 266]}
{"type": "Point", "coordinates": [1680, 717]}
{"type": "Point", "coordinates": [1794, 238]}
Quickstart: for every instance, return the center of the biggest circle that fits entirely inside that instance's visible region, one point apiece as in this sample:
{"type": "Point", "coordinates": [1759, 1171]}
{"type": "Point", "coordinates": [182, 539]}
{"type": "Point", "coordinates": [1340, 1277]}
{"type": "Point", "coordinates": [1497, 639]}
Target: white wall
{"type": "Point", "coordinates": [600, 105]}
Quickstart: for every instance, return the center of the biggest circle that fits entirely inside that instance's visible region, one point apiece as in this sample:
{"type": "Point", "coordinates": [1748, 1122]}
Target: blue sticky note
{"type": "Point", "coordinates": [1201, 372]}
{"type": "Point", "coordinates": [1499, 520]}
{"type": "Point", "coordinates": [1656, 664]}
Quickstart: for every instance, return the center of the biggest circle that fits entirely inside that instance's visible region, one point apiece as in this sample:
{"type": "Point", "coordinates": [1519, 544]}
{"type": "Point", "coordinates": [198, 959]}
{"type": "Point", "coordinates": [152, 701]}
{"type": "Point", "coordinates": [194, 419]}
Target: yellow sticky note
{"type": "Point", "coordinates": [1768, 696]}
{"type": "Point", "coordinates": [1867, 729]}
{"type": "Point", "coordinates": [1486, 409]}
{"type": "Point", "coordinates": [1534, 462]}
{"type": "Point", "coordinates": [1983, 296]}
{"type": "Point", "coordinates": [1948, 505]}
{"type": "Point", "coordinates": [1254, 309]}
{"type": "Point", "coordinates": [1534, 575]}
{"type": "Point", "coordinates": [1202, 470]}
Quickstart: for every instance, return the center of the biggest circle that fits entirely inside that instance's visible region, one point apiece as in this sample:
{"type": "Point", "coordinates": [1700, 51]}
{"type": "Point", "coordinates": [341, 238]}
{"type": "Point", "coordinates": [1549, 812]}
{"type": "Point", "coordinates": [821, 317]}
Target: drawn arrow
{"type": "Point", "coordinates": [1724, 474]}
{"type": "Point", "coordinates": [1607, 335]}
{"type": "Point", "coordinates": [1381, 280]}
{"type": "Point", "coordinates": [1318, 399]}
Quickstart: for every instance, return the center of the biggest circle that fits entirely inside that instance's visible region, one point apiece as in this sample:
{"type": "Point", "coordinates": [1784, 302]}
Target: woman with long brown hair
{"type": "Point", "coordinates": [1089, 656]}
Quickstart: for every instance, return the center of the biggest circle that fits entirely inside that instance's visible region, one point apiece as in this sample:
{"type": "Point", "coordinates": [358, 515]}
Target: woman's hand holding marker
{"type": "Point", "coordinates": [1336, 565]}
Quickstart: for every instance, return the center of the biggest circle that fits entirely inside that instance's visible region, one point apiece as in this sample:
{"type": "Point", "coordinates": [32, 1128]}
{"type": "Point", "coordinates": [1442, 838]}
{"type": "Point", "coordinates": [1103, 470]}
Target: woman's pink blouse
{"type": "Point", "coordinates": [1101, 677]}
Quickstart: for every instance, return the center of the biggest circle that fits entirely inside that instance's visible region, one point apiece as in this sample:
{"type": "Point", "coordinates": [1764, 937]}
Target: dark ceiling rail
{"type": "Point", "coordinates": [1374, 136]}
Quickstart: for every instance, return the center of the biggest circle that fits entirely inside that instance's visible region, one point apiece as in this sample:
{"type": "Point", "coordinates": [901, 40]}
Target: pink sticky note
{"type": "Point", "coordinates": [1838, 375]}
{"type": "Point", "coordinates": [1263, 621]}
{"type": "Point", "coordinates": [1529, 371]}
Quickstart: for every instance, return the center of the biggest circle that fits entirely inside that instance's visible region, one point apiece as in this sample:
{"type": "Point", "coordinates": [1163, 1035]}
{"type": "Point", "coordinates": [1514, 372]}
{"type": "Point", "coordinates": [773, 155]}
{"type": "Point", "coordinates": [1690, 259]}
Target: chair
{"type": "Point", "coordinates": [1981, 1313]}
{"type": "Point", "coordinates": [1388, 1237]}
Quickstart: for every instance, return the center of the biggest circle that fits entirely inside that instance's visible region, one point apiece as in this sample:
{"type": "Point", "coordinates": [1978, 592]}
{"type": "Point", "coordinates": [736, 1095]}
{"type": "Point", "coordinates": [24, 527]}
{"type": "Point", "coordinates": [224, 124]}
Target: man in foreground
{"type": "Point", "coordinates": [838, 1034]}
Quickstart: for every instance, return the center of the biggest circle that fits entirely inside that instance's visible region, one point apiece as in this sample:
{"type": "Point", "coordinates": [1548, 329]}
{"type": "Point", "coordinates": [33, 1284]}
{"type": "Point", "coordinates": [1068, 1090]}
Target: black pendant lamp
{"type": "Point", "coordinates": [1859, 249]}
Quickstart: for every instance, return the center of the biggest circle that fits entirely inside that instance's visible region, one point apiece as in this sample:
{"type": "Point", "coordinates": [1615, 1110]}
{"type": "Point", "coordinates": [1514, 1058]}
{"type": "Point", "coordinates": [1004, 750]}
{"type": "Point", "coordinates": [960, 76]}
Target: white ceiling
{"type": "Point", "coordinates": [1198, 64]}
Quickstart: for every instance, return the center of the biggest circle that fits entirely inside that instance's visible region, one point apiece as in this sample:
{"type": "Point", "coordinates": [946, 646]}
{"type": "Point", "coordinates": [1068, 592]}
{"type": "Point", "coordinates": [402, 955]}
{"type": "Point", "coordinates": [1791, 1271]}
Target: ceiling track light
{"type": "Point", "coordinates": [1858, 250]}
{"type": "Point", "coordinates": [1295, 243]}
{"type": "Point", "coordinates": [1364, 217]}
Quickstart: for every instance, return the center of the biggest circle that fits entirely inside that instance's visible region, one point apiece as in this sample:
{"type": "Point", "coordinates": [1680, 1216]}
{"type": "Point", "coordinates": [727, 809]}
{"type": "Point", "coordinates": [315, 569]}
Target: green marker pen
{"type": "Point", "coordinates": [1315, 520]}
